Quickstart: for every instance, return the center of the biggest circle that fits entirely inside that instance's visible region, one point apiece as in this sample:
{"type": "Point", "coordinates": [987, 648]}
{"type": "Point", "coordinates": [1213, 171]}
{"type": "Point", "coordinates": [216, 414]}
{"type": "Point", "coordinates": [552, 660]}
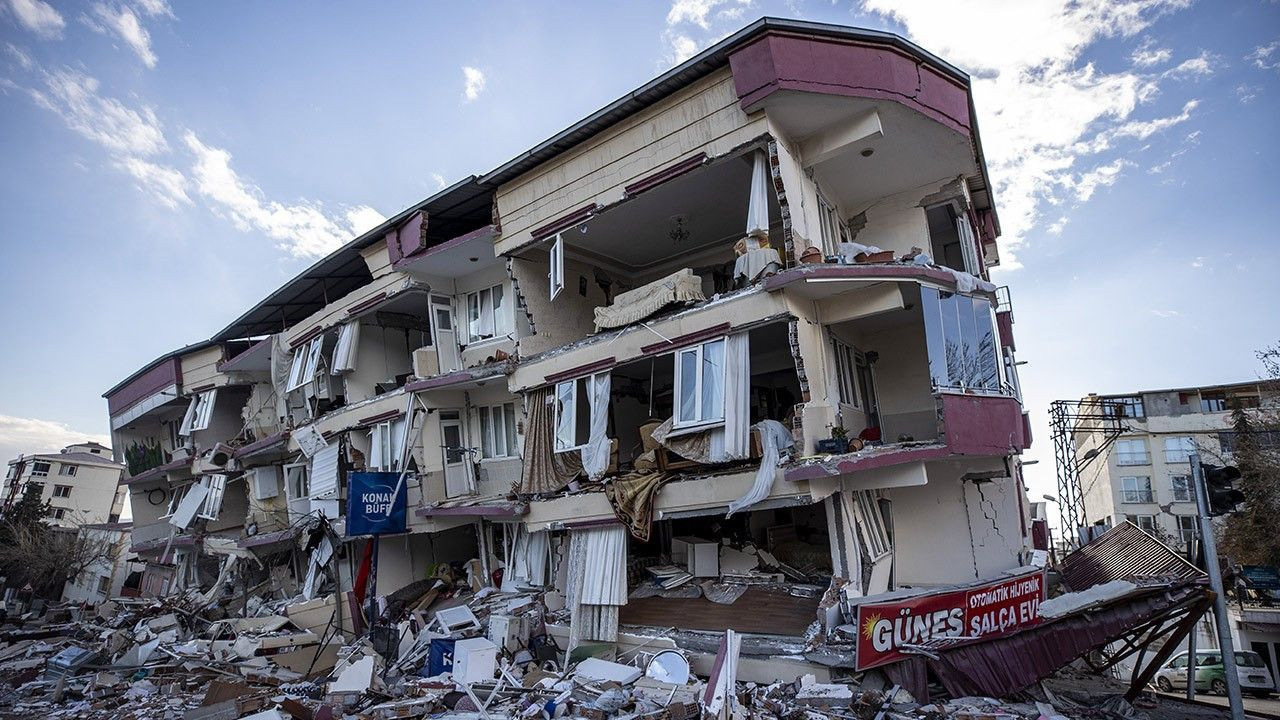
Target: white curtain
{"type": "Point", "coordinates": [529, 559]}
{"type": "Point", "coordinates": [774, 437]}
{"type": "Point", "coordinates": [595, 456]}
{"type": "Point", "coordinates": [597, 582]}
{"type": "Point", "coordinates": [344, 354]}
{"type": "Point", "coordinates": [758, 203]}
{"type": "Point", "coordinates": [733, 440]}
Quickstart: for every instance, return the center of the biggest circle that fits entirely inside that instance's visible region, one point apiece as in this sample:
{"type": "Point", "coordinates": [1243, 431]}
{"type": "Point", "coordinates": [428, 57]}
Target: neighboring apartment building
{"type": "Point", "coordinates": [105, 576]}
{"type": "Point", "coordinates": [81, 483]}
{"type": "Point", "coordinates": [783, 239]}
{"type": "Point", "coordinates": [1142, 473]}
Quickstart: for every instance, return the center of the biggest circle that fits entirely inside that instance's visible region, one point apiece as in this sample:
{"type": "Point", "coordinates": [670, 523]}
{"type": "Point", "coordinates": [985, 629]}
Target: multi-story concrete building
{"type": "Point", "coordinates": [81, 483]}
{"type": "Point", "coordinates": [668, 319]}
{"type": "Point", "coordinates": [1137, 468]}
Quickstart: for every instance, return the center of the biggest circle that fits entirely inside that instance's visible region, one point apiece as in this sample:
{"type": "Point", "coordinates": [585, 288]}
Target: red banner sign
{"type": "Point", "coordinates": [985, 610]}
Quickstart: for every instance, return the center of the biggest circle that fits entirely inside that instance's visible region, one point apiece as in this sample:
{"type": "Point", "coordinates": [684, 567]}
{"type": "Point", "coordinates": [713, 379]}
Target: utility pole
{"type": "Point", "coordinates": [1191, 636]}
{"type": "Point", "coordinates": [1210, 545]}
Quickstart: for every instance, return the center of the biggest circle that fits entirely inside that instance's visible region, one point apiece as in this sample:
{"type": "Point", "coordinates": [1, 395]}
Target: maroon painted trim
{"type": "Point", "coordinates": [445, 246]}
{"type": "Point", "coordinates": [267, 538]}
{"type": "Point", "coordinates": [164, 374]}
{"type": "Point", "coordinates": [372, 419]}
{"type": "Point", "coordinates": [498, 511]}
{"type": "Point", "coordinates": [307, 337]}
{"type": "Point", "coordinates": [780, 61]}
{"type": "Point", "coordinates": [1004, 325]}
{"type": "Point", "coordinates": [666, 174]}
{"type": "Point", "coordinates": [583, 524]}
{"type": "Point", "coordinates": [158, 471]}
{"type": "Point", "coordinates": [860, 272]}
{"type": "Point", "coordinates": [983, 424]}
{"type": "Point", "coordinates": [588, 369]}
{"type": "Point", "coordinates": [847, 464]}
{"type": "Point", "coordinates": [367, 303]}
{"type": "Point", "coordinates": [564, 221]}
{"type": "Point", "coordinates": [264, 444]}
{"type": "Point", "coordinates": [687, 339]}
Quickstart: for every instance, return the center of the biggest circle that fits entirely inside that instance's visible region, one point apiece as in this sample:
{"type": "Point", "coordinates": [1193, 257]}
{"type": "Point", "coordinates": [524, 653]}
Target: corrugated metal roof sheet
{"type": "Point", "coordinates": [1124, 552]}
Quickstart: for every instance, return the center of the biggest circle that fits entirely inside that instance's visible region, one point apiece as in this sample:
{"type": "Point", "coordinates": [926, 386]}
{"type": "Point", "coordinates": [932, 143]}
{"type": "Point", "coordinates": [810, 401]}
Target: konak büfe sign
{"type": "Point", "coordinates": [986, 610]}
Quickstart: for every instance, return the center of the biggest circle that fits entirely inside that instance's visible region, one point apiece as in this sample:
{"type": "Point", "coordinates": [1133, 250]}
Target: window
{"type": "Point", "coordinates": [62, 491]}
{"type": "Point", "coordinates": [104, 584]}
{"type": "Point", "coordinates": [68, 470]}
{"type": "Point", "coordinates": [1214, 401]}
{"type": "Point", "coordinates": [306, 362]}
{"type": "Point", "coordinates": [498, 431]}
{"type": "Point", "coordinates": [1132, 452]}
{"type": "Point", "coordinates": [556, 272]}
{"type": "Point", "coordinates": [487, 314]}
{"type": "Point", "coordinates": [833, 230]}
{"type": "Point", "coordinates": [1136, 490]}
{"type": "Point", "coordinates": [1264, 439]}
{"type": "Point", "coordinates": [217, 485]}
{"type": "Point", "coordinates": [198, 413]}
{"type": "Point", "coordinates": [1178, 449]}
{"type": "Point", "coordinates": [58, 513]}
{"type": "Point", "coordinates": [961, 340]}
{"type": "Point", "coordinates": [40, 469]}
{"type": "Point", "coordinates": [344, 353]}
{"type": "Point", "coordinates": [176, 499]}
{"type": "Point", "coordinates": [846, 372]}
{"type": "Point", "coordinates": [1127, 407]}
{"type": "Point", "coordinates": [1181, 488]}
{"type": "Point", "coordinates": [699, 387]}
{"type": "Point", "coordinates": [296, 481]}
{"type": "Point", "coordinates": [1145, 522]}
{"type": "Point", "coordinates": [1186, 528]}
{"type": "Point", "coordinates": [867, 509]}
{"type": "Point", "coordinates": [386, 445]}
{"type": "Point", "coordinates": [573, 413]}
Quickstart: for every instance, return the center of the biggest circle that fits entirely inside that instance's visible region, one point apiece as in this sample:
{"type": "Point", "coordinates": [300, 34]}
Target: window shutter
{"type": "Point", "coordinates": [324, 472]}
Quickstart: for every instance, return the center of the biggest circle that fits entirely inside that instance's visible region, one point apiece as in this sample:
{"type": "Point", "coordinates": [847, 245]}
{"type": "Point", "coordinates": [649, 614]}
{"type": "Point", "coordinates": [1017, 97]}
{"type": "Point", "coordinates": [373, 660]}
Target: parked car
{"type": "Point", "coordinates": [1255, 676]}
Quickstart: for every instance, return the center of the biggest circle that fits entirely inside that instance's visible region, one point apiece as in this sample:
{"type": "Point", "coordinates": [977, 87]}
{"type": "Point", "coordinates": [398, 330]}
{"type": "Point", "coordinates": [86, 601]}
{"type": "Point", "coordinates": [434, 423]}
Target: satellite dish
{"type": "Point", "coordinates": [668, 666]}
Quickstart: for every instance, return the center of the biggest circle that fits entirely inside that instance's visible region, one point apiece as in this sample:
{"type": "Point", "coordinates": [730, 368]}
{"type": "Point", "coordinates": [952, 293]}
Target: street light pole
{"type": "Point", "coordinates": [1210, 545]}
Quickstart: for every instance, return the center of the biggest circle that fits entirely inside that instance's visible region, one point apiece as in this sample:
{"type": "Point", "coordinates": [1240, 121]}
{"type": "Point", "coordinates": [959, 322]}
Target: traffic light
{"type": "Point", "coordinates": [1220, 488]}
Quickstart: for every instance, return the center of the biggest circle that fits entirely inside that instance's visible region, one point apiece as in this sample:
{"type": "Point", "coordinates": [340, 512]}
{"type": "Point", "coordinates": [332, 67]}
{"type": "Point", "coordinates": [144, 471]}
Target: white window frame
{"type": "Point", "coordinates": [561, 443]}
{"type": "Point", "coordinates": [1178, 449]}
{"type": "Point", "coordinates": [555, 272]}
{"type": "Point", "coordinates": [1135, 494]}
{"type": "Point", "coordinates": [1187, 534]}
{"type": "Point", "coordinates": [295, 473]}
{"type": "Point", "coordinates": [306, 362]}
{"type": "Point", "coordinates": [66, 470]}
{"type": "Point", "coordinates": [58, 513]}
{"type": "Point", "coordinates": [104, 585]}
{"type": "Point", "coordinates": [344, 352]}
{"type": "Point", "coordinates": [58, 491]}
{"type": "Point", "coordinates": [1185, 493]}
{"type": "Point", "coordinates": [1125, 457]}
{"type": "Point", "coordinates": [212, 505]}
{"type": "Point", "coordinates": [492, 421]}
{"type": "Point", "coordinates": [832, 229]}
{"type": "Point", "coordinates": [866, 508]}
{"type": "Point", "coordinates": [199, 412]}
{"type": "Point", "coordinates": [701, 419]}
{"type": "Point", "coordinates": [499, 318]}
{"type": "Point", "coordinates": [179, 492]}
{"type": "Point", "coordinates": [37, 472]}
{"type": "Point", "coordinates": [1138, 520]}
{"type": "Point", "coordinates": [846, 368]}
{"type": "Point", "coordinates": [968, 241]}
{"type": "Point", "coordinates": [388, 437]}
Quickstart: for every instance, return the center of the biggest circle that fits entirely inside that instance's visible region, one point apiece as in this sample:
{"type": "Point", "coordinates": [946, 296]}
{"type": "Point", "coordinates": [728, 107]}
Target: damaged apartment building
{"type": "Point", "coordinates": [732, 334]}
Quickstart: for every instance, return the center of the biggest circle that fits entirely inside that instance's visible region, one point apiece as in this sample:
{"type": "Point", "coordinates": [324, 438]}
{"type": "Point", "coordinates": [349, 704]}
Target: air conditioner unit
{"type": "Point", "coordinates": [265, 482]}
{"type": "Point", "coordinates": [426, 363]}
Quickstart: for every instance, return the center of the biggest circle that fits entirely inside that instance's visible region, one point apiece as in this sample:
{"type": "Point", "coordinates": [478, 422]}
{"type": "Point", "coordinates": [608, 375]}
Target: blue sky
{"type": "Point", "coordinates": [166, 166]}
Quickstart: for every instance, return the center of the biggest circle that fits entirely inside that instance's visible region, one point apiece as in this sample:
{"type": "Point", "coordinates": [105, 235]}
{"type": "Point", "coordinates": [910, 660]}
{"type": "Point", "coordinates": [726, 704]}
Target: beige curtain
{"type": "Point", "coordinates": [545, 471]}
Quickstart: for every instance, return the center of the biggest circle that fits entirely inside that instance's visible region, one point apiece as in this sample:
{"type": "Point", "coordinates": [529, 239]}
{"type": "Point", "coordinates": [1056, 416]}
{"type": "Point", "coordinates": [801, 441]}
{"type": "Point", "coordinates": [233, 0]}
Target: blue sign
{"type": "Point", "coordinates": [376, 503]}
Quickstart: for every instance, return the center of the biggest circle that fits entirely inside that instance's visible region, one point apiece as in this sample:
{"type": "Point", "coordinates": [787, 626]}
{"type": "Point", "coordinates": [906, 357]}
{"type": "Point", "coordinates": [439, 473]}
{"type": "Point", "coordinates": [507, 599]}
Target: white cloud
{"type": "Point", "coordinates": [1262, 56]}
{"type": "Point", "coordinates": [1058, 225]}
{"type": "Point", "coordinates": [1247, 93]}
{"type": "Point", "coordinates": [27, 436]}
{"type": "Point", "coordinates": [1165, 313]}
{"type": "Point", "coordinates": [1042, 112]}
{"type": "Point", "coordinates": [473, 83]}
{"type": "Point", "coordinates": [20, 56]}
{"type": "Point", "coordinates": [1198, 262]}
{"type": "Point", "coordinates": [167, 185]}
{"type": "Point", "coordinates": [1146, 55]}
{"type": "Point", "coordinates": [154, 8]}
{"type": "Point", "coordinates": [1201, 65]}
{"type": "Point", "coordinates": [439, 181]}
{"type": "Point", "coordinates": [303, 229]}
{"type": "Point", "coordinates": [694, 24]}
{"type": "Point", "coordinates": [38, 17]}
{"type": "Point", "coordinates": [122, 22]}
{"type": "Point", "coordinates": [120, 129]}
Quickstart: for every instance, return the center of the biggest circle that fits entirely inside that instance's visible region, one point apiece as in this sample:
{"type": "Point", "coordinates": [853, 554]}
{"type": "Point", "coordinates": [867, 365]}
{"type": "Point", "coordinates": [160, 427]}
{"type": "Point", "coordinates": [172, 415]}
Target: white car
{"type": "Point", "coordinates": [1255, 676]}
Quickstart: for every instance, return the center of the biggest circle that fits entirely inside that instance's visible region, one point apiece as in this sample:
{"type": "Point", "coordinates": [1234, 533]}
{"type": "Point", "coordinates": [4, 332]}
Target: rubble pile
{"type": "Point", "coordinates": [452, 650]}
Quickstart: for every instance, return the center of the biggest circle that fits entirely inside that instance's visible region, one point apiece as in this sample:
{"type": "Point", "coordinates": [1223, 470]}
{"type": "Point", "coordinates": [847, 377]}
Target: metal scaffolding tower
{"type": "Point", "coordinates": [1067, 417]}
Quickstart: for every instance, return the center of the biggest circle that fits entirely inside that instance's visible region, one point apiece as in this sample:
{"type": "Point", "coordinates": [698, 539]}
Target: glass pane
{"type": "Point", "coordinates": [969, 338]}
{"type": "Point", "coordinates": [564, 415]}
{"type": "Point", "coordinates": [933, 335]}
{"type": "Point", "coordinates": [687, 381]}
{"type": "Point", "coordinates": [444, 319]}
{"type": "Point", "coordinates": [500, 325]}
{"type": "Point", "coordinates": [453, 450]}
{"type": "Point", "coordinates": [582, 428]}
{"type": "Point", "coordinates": [473, 315]}
{"type": "Point", "coordinates": [951, 338]}
{"type": "Point", "coordinates": [486, 434]}
{"type": "Point", "coordinates": [713, 380]}
{"type": "Point", "coordinates": [988, 371]}
{"type": "Point", "coordinates": [509, 415]}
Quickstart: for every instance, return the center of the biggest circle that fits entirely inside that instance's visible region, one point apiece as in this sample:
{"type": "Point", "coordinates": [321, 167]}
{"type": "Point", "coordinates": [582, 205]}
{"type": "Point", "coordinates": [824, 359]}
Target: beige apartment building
{"type": "Point", "coordinates": [1141, 472]}
{"type": "Point", "coordinates": [741, 312]}
{"type": "Point", "coordinates": [81, 483]}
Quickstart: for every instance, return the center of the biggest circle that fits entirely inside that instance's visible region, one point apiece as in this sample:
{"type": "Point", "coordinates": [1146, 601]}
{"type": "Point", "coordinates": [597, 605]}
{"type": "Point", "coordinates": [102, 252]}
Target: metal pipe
{"type": "Point", "coordinates": [1225, 644]}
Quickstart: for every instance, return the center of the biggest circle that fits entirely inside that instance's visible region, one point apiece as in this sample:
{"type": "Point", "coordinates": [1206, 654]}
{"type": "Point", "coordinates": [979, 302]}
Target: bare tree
{"type": "Point", "coordinates": [46, 557]}
{"type": "Point", "coordinates": [1252, 537]}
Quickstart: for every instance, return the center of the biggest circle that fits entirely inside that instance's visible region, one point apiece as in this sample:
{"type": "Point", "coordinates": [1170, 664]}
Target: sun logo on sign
{"type": "Point", "coordinates": [869, 626]}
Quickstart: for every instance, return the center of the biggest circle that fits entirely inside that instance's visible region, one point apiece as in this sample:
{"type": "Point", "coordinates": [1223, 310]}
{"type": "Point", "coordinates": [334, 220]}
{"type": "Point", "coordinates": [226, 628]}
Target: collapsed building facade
{"type": "Point", "coordinates": [733, 331]}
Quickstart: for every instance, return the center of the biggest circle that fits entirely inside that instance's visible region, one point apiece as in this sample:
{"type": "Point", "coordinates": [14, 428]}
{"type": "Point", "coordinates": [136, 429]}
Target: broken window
{"type": "Point", "coordinates": [198, 413]}
{"type": "Point", "coordinates": [556, 271]}
{"type": "Point", "coordinates": [296, 481]}
{"type": "Point", "coordinates": [1186, 528]}
{"type": "Point", "coordinates": [344, 353]}
{"type": "Point", "coordinates": [573, 412]}
{"type": "Point", "coordinates": [700, 376]}
{"type": "Point", "coordinates": [487, 314]}
{"type": "Point", "coordinates": [386, 445]}
{"type": "Point", "coordinates": [306, 361]}
{"type": "Point", "coordinates": [1132, 452]}
{"type": "Point", "coordinates": [498, 431]}
{"type": "Point", "coordinates": [871, 523]}
{"type": "Point", "coordinates": [1179, 449]}
{"type": "Point", "coordinates": [175, 499]}
{"type": "Point", "coordinates": [1136, 489]}
{"type": "Point", "coordinates": [1181, 488]}
{"type": "Point", "coordinates": [40, 469]}
{"type": "Point", "coordinates": [951, 239]}
{"type": "Point", "coordinates": [961, 338]}
{"type": "Point", "coordinates": [212, 505]}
